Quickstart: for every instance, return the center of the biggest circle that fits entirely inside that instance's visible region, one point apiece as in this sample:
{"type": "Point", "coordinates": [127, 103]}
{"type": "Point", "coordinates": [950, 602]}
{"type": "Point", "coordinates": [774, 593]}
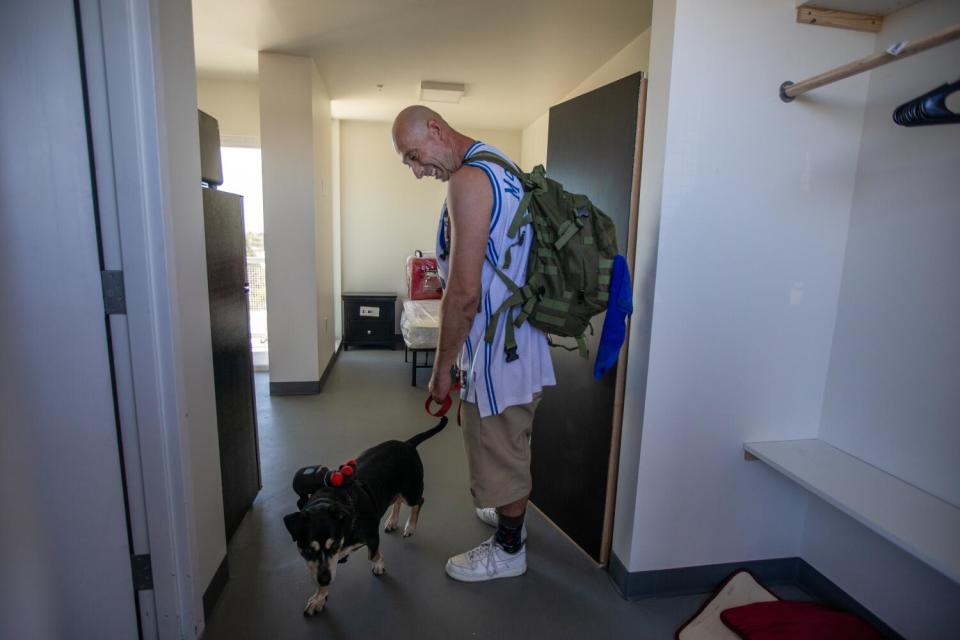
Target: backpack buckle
{"type": "Point", "coordinates": [512, 354]}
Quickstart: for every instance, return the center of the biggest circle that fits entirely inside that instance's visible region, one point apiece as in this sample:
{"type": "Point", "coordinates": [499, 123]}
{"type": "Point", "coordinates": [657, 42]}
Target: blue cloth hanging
{"type": "Point", "coordinates": [619, 306]}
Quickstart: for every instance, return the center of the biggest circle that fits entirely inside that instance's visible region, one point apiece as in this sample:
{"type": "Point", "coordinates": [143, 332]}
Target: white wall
{"type": "Point", "coordinates": [916, 600]}
{"type": "Point", "coordinates": [534, 143]}
{"type": "Point", "coordinates": [754, 202]}
{"type": "Point", "coordinates": [891, 392]}
{"type": "Point", "coordinates": [632, 58]}
{"type": "Point", "coordinates": [300, 236]}
{"type": "Point", "coordinates": [188, 261]}
{"type": "Point", "coordinates": [323, 160]}
{"type": "Point", "coordinates": [386, 211]}
{"type": "Point", "coordinates": [648, 234]}
{"type": "Point", "coordinates": [235, 103]}
{"type": "Point", "coordinates": [289, 205]}
{"type": "Point", "coordinates": [335, 188]}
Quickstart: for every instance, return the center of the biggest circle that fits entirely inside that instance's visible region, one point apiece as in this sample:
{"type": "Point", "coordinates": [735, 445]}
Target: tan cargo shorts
{"type": "Point", "coordinates": [498, 453]}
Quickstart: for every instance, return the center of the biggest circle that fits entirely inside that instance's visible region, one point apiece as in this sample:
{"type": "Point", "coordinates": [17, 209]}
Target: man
{"type": "Point", "coordinates": [499, 397]}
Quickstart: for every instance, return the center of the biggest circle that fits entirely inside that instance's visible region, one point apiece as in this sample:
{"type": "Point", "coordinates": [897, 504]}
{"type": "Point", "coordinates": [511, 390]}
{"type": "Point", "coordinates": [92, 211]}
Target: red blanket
{"type": "Point", "coordinates": [784, 620]}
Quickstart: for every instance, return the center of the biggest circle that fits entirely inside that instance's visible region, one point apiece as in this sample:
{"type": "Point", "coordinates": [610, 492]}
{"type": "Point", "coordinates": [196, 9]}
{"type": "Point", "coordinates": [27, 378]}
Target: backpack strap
{"type": "Point", "coordinates": [503, 163]}
{"type": "Point", "coordinates": [518, 296]}
{"type": "Point", "coordinates": [532, 182]}
{"type": "Point", "coordinates": [581, 345]}
{"type": "Point", "coordinates": [535, 181]}
{"type": "Point", "coordinates": [520, 218]}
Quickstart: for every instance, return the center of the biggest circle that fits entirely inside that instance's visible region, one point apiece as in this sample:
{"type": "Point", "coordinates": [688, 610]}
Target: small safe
{"type": "Point", "coordinates": [369, 320]}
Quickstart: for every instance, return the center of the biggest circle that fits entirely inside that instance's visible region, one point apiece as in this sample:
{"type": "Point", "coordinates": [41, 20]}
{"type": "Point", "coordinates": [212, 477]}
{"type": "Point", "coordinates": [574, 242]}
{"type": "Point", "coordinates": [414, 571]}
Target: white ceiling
{"type": "Point", "coordinates": [516, 57]}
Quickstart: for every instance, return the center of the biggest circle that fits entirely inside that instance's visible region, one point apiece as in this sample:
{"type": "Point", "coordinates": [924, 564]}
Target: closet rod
{"type": "Point", "coordinates": [790, 90]}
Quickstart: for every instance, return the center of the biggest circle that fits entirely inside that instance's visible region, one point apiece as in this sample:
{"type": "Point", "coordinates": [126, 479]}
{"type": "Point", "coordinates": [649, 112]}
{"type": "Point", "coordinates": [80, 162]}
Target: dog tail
{"type": "Point", "coordinates": [429, 433]}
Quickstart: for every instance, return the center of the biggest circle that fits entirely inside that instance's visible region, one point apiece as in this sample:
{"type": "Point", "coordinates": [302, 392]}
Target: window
{"type": "Point", "coordinates": [241, 175]}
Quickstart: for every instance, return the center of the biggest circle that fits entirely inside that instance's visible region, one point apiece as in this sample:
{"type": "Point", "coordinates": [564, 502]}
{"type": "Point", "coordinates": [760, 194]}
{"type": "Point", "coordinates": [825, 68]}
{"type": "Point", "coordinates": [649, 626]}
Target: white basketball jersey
{"type": "Point", "coordinates": [489, 380]}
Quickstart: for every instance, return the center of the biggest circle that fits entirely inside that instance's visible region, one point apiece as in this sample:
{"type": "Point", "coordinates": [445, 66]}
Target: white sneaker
{"type": "Point", "coordinates": [487, 562]}
{"type": "Point", "coordinates": [488, 515]}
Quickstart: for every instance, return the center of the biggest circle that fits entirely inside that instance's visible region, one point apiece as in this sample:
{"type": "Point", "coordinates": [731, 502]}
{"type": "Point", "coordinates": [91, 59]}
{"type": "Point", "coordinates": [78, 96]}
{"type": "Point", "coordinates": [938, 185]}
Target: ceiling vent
{"type": "Point", "coordinates": [431, 91]}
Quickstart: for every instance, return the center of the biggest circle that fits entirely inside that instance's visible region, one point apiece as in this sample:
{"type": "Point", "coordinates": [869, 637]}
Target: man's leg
{"type": "Point", "coordinates": [498, 455]}
{"type": "Point", "coordinates": [515, 509]}
{"type": "Point", "coordinates": [509, 534]}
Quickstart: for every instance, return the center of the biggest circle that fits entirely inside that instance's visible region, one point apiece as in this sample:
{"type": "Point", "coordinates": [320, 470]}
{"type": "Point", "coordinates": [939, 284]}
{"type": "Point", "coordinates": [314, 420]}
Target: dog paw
{"type": "Point", "coordinates": [315, 605]}
{"type": "Point", "coordinates": [378, 570]}
{"type": "Point", "coordinates": [408, 531]}
{"type": "Point", "coordinates": [390, 527]}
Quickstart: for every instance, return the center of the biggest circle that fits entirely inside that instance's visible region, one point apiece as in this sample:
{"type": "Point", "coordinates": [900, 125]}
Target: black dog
{"type": "Point", "coordinates": [340, 511]}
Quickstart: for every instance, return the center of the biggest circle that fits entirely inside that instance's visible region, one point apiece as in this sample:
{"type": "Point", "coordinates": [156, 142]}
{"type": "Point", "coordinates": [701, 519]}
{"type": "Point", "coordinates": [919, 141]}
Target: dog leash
{"type": "Point", "coordinates": [446, 404]}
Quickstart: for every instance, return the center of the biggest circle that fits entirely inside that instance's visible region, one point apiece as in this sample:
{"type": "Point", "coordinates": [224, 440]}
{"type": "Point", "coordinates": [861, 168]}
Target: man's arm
{"type": "Point", "coordinates": [469, 201]}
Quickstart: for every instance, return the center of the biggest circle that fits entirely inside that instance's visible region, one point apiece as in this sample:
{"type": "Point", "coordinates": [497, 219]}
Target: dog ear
{"type": "Point", "coordinates": [293, 522]}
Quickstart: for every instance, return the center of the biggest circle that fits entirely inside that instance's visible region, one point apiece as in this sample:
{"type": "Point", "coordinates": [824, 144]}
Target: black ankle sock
{"type": "Point", "coordinates": [508, 536]}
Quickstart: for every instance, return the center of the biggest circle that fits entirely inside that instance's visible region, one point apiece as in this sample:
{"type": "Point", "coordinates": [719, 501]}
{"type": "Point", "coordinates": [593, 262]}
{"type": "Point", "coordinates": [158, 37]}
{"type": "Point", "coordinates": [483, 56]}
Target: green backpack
{"type": "Point", "coordinates": [569, 268]}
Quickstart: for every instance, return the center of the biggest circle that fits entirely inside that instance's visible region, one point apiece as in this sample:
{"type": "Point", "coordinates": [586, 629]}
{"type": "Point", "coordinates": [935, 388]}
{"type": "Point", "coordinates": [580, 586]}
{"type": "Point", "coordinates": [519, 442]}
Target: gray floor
{"type": "Point", "coordinates": [368, 399]}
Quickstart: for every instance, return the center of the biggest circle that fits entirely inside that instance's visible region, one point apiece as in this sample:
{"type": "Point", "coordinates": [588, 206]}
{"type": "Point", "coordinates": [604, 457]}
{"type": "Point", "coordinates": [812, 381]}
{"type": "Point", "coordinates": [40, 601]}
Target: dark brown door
{"type": "Point", "coordinates": [590, 150]}
{"type": "Point", "coordinates": [232, 358]}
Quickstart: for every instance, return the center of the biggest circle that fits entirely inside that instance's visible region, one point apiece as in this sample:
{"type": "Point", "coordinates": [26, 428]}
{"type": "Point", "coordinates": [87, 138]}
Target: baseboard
{"type": "Point", "coordinates": [213, 591]}
{"type": "Point", "coordinates": [329, 367]}
{"type": "Point", "coordinates": [699, 579]}
{"type": "Point", "coordinates": [822, 588]}
{"type": "Point", "coordinates": [306, 387]}
{"type": "Point", "coordinates": [296, 388]}
{"type": "Point", "coordinates": [705, 579]}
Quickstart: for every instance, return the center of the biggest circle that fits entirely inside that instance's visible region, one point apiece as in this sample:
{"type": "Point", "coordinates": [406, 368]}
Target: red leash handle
{"type": "Point", "coordinates": [444, 406]}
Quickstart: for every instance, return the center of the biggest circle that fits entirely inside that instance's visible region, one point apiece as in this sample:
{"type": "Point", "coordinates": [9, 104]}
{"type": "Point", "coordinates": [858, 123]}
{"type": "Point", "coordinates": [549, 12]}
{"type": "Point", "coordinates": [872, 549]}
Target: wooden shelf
{"type": "Point", "coordinates": [920, 523]}
{"type": "Point", "coordinates": [872, 7]}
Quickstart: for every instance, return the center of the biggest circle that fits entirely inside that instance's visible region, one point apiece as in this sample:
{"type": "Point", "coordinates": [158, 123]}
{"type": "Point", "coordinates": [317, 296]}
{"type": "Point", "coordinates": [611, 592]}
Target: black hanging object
{"type": "Point", "coordinates": [930, 108]}
{"type": "Point", "coordinates": [307, 480]}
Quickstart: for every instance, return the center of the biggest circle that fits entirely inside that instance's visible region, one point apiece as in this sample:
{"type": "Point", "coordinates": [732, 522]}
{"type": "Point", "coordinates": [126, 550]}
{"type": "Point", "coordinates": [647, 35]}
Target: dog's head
{"type": "Point", "coordinates": [319, 531]}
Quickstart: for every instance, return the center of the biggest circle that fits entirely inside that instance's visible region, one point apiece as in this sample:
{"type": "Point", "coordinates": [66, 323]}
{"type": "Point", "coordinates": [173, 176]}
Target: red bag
{"type": "Point", "coordinates": [423, 279]}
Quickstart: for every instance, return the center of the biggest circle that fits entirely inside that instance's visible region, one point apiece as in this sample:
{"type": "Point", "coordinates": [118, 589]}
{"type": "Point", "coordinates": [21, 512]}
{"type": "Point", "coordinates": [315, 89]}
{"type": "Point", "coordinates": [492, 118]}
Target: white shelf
{"type": "Point", "coordinates": [911, 518]}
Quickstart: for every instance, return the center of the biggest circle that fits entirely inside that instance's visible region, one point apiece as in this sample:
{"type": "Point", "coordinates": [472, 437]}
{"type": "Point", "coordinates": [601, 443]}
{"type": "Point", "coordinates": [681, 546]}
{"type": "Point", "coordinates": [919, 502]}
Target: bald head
{"type": "Point", "coordinates": [427, 144]}
{"type": "Point", "coordinates": [415, 118]}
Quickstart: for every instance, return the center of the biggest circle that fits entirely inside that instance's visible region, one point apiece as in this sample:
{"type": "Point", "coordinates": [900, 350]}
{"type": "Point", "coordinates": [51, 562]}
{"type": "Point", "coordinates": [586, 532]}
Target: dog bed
{"type": "Point", "coordinates": [739, 589]}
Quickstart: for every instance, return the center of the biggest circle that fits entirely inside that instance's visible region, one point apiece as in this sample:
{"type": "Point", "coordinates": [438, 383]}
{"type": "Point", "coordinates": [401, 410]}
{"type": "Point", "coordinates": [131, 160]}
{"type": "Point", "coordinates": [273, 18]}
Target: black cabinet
{"type": "Point", "coordinates": [232, 359]}
{"type": "Point", "coordinates": [368, 319]}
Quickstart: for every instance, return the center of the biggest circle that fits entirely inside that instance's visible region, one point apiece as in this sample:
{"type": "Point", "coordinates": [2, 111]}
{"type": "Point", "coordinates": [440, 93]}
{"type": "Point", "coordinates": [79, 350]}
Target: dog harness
{"type": "Point", "coordinates": [317, 487]}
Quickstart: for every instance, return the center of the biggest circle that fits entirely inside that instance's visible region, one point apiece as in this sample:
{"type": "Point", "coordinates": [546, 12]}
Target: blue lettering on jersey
{"type": "Point", "coordinates": [512, 187]}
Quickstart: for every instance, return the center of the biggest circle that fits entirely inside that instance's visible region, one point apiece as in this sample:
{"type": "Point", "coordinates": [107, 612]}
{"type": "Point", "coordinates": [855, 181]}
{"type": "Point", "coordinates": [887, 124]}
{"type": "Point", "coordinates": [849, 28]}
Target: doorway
{"type": "Point", "coordinates": [242, 176]}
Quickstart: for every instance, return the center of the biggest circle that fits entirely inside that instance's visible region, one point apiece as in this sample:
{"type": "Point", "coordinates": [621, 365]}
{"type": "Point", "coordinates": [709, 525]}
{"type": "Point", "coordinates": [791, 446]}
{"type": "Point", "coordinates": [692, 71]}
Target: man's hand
{"type": "Point", "coordinates": [439, 387]}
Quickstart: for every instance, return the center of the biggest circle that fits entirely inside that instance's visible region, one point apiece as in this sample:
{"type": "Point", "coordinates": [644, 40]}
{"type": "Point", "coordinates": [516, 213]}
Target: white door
{"type": "Point", "coordinates": [64, 548]}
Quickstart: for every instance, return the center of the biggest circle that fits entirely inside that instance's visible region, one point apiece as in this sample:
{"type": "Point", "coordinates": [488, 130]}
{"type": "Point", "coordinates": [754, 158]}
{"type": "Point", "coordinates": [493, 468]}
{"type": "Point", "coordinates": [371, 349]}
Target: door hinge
{"type": "Point", "coordinates": [142, 572]}
{"type": "Point", "coordinates": [114, 299]}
